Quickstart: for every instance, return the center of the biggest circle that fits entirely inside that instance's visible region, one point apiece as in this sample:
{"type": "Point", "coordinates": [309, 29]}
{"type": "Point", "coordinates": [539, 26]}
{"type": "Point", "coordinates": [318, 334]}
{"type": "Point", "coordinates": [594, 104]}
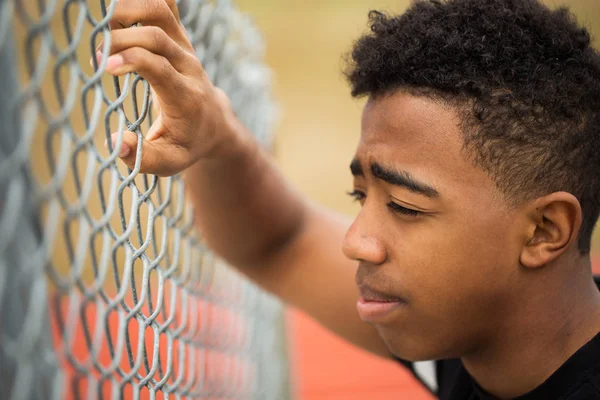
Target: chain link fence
{"type": "Point", "coordinates": [106, 289]}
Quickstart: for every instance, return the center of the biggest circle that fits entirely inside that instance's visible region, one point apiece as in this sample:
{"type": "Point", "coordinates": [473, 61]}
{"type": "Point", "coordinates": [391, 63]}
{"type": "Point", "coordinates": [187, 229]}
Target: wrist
{"type": "Point", "coordinates": [229, 138]}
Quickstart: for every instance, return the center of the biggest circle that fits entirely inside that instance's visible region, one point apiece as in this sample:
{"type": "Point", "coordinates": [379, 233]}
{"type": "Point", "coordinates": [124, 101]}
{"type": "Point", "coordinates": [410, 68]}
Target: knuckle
{"type": "Point", "coordinates": [186, 60]}
{"type": "Point", "coordinates": [157, 36]}
{"type": "Point", "coordinates": [190, 60]}
{"type": "Point", "coordinates": [165, 66]}
{"type": "Point", "coordinates": [192, 67]}
{"type": "Point", "coordinates": [152, 8]}
{"type": "Point", "coordinates": [197, 96]}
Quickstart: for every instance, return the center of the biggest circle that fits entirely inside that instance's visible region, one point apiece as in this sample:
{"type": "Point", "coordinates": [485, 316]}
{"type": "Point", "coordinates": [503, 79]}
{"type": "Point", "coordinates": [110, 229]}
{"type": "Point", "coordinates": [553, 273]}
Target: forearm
{"type": "Point", "coordinates": [243, 207]}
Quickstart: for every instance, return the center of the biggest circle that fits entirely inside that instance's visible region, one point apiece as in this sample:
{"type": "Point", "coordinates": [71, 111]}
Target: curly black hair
{"type": "Point", "coordinates": [524, 78]}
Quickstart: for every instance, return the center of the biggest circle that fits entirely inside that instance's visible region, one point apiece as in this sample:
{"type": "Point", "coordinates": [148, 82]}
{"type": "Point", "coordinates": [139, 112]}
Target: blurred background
{"type": "Point", "coordinates": [315, 141]}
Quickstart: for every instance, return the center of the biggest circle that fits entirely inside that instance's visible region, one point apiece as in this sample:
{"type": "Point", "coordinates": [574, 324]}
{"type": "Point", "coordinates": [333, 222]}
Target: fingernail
{"type": "Point", "coordinates": [125, 150]}
{"type": "Point", "coordinates": [98, 59]}
{"type": "Point", "coordinates": [113, 62]}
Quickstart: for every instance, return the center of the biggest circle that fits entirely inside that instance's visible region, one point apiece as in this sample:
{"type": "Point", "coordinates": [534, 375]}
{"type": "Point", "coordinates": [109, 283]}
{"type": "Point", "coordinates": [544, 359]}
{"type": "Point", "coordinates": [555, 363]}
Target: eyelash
{"type": "Point", "coordinates": [357, 195]}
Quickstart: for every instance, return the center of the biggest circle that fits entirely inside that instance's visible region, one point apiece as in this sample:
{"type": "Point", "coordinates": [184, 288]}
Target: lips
{"type": "Point", "coordinates": [369, 294]}
{"type": "Point", "coordinates": [375, 306]}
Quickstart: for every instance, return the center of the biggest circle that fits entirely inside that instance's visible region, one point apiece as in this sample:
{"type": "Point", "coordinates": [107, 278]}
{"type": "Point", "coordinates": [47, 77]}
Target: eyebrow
{"type": "Point", "coordinates": [397, 178]}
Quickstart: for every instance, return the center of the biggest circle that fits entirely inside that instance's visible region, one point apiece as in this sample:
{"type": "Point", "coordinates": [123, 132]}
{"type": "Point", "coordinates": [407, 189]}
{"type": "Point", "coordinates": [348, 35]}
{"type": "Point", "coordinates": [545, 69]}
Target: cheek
{"type": "Point", "coordinates": [455, 279]}
{"type": "Point", "coordinates": [457, 273]}
{"type": "Point", "coordinates": [461, 251]}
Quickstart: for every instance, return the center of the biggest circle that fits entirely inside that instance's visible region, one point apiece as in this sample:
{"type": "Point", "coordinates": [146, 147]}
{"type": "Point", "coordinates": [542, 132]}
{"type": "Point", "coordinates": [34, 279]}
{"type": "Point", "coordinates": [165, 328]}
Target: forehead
{"type": "Point", "coordinates": [422, 137]}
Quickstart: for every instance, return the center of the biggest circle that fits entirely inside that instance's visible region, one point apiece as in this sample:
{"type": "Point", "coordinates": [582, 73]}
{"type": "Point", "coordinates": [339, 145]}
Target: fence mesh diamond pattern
{"type": "Point", "coordinates": [106, 290]}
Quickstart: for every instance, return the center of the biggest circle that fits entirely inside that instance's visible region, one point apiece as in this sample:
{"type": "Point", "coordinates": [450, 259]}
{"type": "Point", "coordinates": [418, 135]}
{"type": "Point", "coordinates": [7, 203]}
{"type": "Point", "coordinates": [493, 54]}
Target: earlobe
{"type": "Point", "coordinates": [554, 223]}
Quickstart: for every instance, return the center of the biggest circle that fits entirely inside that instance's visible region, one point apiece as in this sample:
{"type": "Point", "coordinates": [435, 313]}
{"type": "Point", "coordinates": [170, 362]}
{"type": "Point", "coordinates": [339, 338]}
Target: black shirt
{"type": "Point", "coordinates": [578, 378]}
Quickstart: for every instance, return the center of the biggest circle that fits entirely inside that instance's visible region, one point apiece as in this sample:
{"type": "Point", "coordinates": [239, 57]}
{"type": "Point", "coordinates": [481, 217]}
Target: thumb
{"type": "Point", "coordinates": [157, 157]}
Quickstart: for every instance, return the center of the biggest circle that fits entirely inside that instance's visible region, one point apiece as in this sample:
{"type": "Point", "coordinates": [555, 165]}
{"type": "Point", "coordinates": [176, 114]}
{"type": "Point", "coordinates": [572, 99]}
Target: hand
{"type": "Point", "coordinates": [193, 113]}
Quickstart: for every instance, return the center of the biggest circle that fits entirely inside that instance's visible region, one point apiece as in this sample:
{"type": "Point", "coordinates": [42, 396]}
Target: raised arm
{"type": "Point", "coordinates": [245, 209]}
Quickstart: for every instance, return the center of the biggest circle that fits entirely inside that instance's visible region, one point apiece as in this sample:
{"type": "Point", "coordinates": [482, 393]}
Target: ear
{"type": "Point", "coordinates": [553, 227]}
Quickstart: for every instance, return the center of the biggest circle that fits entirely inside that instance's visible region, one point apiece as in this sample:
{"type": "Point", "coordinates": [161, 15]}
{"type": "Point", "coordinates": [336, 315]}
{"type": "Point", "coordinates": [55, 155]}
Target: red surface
{"type": "Point", "coordinates": [78, 351]}
{"type": "Point", "coordinates": [327, 368]}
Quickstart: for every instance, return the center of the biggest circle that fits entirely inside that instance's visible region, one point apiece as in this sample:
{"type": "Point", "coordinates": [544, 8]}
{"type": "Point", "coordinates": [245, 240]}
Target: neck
{"type": "Point", "coordinates": [554, 320]}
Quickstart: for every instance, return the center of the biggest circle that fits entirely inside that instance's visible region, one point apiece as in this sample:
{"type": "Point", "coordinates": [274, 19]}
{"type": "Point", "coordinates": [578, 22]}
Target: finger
{"type": "Point", "coordinates": [153, 39]}
{"type": "Point", "coordinates": [157, 157]}
{"type": "Point", "coordinates": [172, 4]}
{"type": "Point", "coordinates": [147, 12]}
{"type": "Point", "coordinates": [157, 70]}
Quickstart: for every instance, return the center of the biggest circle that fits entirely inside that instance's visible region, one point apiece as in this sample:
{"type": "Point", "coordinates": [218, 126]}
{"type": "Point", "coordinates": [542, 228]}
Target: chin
{"type": "Point", "coordinates": [411, 348]}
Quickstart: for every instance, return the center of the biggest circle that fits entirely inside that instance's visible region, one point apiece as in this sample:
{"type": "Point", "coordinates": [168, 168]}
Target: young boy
{"type": "Point", "coordinates": [477, 174]}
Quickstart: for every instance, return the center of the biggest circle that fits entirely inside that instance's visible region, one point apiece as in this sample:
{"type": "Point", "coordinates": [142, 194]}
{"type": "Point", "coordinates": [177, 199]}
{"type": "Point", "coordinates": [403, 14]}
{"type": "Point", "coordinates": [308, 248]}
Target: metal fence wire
{"type": "Point", "coordinates": [106, 289]}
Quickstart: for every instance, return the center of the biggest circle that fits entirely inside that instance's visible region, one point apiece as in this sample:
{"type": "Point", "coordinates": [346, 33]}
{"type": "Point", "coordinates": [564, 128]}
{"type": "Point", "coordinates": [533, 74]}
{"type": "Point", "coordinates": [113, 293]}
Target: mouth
{"type": "Point", "coordinates": [372, 306]}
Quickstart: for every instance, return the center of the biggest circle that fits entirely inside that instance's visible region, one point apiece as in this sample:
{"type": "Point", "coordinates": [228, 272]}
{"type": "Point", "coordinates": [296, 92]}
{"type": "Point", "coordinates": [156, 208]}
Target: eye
{"type": "Point", "coordinates": [397, 208]}
{"type": "Point", "coordinates": [357, 195]}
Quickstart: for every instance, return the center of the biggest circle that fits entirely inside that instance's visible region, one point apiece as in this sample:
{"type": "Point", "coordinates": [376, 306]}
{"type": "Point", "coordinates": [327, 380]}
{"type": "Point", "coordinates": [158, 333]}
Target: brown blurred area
{"type": "Point", "coordinates": [320, 122]}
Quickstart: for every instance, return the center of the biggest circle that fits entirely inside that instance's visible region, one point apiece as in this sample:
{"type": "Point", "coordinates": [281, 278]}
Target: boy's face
{"type": "Point", "coordinates": [455, 263]}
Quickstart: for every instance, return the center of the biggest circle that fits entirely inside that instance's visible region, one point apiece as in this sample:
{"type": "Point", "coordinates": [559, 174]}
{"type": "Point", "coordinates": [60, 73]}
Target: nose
{"type": "Point", "coordinates": [362, 243]}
